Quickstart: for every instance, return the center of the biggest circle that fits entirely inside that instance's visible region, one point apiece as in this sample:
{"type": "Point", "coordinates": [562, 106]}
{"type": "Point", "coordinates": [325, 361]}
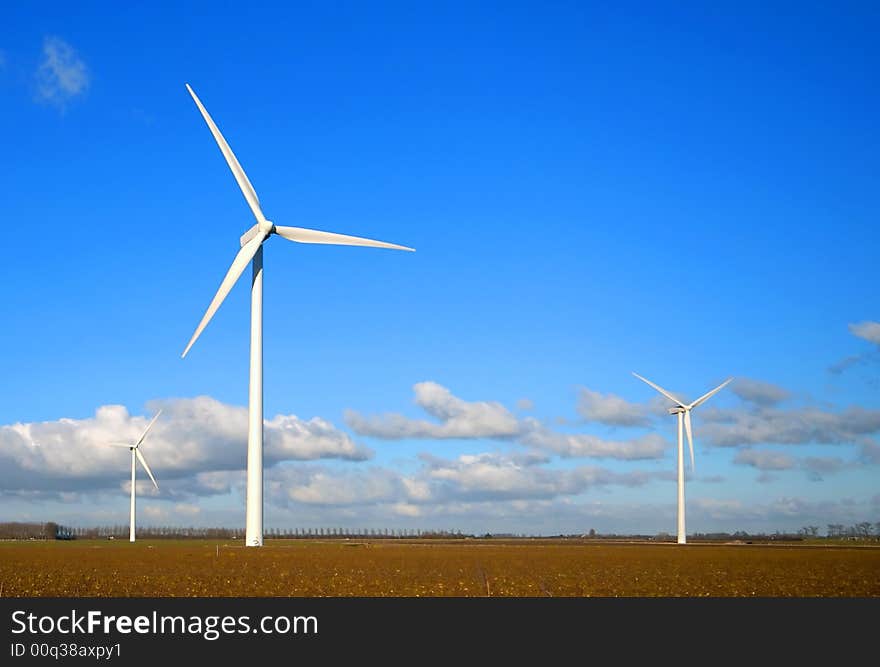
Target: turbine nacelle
{"type": "Point", "coordinates": [264, 227]}
{"type": "Point", "coordinates": [677, 409]}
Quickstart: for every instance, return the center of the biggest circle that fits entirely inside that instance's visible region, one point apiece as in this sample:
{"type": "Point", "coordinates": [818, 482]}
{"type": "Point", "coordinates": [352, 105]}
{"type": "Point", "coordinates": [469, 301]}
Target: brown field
{"type": "Point", "coordinates": [433, 568]}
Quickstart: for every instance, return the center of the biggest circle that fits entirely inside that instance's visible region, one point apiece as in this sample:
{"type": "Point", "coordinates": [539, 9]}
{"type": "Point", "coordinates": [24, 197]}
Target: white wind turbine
{"type": "Point", "coordinates": [252, 251]}
{"type": "Point", "coordinates": [136, 453]}
{"type": "Point", "coordinates": [683, 410]}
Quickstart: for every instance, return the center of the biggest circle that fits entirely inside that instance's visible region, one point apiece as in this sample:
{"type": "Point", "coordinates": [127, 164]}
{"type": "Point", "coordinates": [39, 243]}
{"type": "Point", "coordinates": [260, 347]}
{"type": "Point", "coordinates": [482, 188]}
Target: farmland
{"type": "Point", "coordinates": [168, 568]}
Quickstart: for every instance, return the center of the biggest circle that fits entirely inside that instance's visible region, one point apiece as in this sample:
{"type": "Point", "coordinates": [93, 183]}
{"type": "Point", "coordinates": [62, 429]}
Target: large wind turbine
{"type": "Point", "coordinates": [252, 251]}
{"type": "Point", "coordinates": [683, 410]}
{"type": "Point", "coordinates": [136, 453]}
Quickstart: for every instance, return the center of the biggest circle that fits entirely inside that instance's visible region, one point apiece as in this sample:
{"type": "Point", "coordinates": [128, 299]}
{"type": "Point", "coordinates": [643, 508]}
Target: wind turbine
{"type": "Point", "coordinates": [683, 410]}
{"type": "Point", "coordinates": [252, 251]}
{"type": "Point", "coordinates": [136, 453]}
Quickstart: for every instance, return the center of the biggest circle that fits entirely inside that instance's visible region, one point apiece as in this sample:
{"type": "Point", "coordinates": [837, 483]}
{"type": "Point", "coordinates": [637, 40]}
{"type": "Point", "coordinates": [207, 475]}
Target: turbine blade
{"type": "Point", "coordinates": [147, 430]}
{"type": "Point", "coordinates": [240, 177]}
{"type": "Point", "coordinates": [661, 390]}
{"type": "Point", "coordinates": [690, 435]}
{"type": "Point", "coordinates": [146, 467]}
{"type": "Point", "coordinates": [301, 235]}
{"type": "Point", "coordinates": [245, 255]}
{"type": "Point", "coordinates": [705, 397]}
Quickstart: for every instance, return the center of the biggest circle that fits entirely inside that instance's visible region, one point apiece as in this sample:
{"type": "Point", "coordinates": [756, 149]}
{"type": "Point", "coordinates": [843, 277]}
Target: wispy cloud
{"type": "Point", "coordinates": [846, 363]}
{"type": "Point", "coordinates": [763, 460]}
{"type": "Point", "coordinates": [819, 466]}
{"type": "Point", "coordinates": [758, 392]}
{"type": "Point", "coordinates": [62, 74]}
{"type": "Point", "coordinates": [869, 331]}
{"type": "Point", "coordinates": [816, 467]}
{"type": "Point", "coordinates": [525, 404]}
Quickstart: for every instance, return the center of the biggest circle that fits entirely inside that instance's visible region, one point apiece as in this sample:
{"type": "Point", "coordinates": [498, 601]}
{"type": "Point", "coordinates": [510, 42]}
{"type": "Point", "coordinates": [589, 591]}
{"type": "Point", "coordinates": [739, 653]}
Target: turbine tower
{"type": "Point", "coordinates": [136, 453]}
{"type": "Point", "coordinates": [252, 251]}
{"type": "Point", "coordinates": [683, 410]}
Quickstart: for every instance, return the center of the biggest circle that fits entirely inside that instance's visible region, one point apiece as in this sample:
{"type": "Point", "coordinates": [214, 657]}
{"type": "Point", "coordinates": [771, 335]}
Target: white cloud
{"type": "Point", "coordinates": [494, 476]}
{"type": "Point", "coordinates": [799, 426]}
{"type": "Point", "coordinates": [62, 75]}
{"type": "Point", "coordinates": [177, 511]}
{"type": "Point", "coordinates": [610, 409]}
{"type": "Point", "coordinates": [462, 419]}
{"type": "Point", "coordinates": [765, 460]}
{"type": "Point", "coordinates": [648, 446]}
{"type": "Point", "coordinates": [310, 485]}
{"type": "Point", "coordinates": [456, 418]}
{"type": "Point", "coordinates": [484, 477]}
{"type": "Point", "coordinates": [192, 435]}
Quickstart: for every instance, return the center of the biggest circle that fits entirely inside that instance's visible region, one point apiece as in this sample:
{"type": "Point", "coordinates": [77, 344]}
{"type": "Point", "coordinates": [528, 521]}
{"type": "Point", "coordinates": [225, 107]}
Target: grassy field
{"type": "Point", "coordinates": [433, 568]}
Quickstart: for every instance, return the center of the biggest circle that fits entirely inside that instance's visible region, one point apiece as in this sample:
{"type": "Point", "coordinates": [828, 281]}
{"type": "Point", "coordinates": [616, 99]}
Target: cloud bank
{"type": "Point", "coordinates": [193, 435]}
{"type": "Point", "coordinates": [318, 474]}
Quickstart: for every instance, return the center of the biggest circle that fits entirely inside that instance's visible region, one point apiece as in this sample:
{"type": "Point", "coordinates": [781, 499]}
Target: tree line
{"type": "Point", "coordinates": [55, 531]}
{"type": "Point", "coordinates": [864, 530]}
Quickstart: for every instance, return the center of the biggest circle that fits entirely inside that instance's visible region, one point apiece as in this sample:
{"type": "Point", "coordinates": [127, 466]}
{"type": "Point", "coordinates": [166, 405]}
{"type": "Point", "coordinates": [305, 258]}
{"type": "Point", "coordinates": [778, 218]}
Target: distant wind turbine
{"type": "Point", "coordinates": [252, 251]}
{"type": "Point", "coordinates": [136, 453]}
{"type": "Point", "coordinates": [683, 410]}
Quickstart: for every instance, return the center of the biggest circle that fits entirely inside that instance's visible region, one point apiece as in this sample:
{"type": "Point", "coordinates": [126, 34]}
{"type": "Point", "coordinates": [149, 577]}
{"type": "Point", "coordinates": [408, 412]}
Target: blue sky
{"type": "Point", "coordinates": [687, 192]}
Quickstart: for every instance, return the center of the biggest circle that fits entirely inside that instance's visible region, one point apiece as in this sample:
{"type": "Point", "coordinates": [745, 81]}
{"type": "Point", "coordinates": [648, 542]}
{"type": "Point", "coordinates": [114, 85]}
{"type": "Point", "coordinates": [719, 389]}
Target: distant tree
{"type": "Point", "coordinates": [863, 529]}
{"type": "Point", "coordinates": [834, 529]}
